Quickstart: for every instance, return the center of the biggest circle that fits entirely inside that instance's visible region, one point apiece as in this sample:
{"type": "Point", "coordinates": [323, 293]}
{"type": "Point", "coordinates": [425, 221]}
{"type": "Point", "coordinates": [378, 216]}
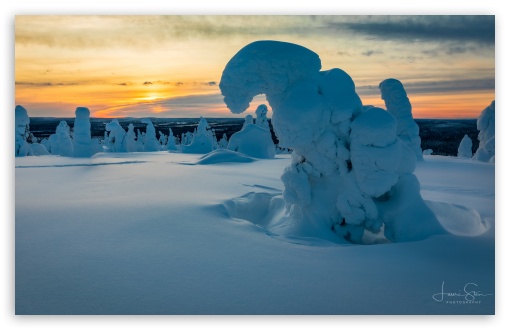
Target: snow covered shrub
{"type": "Point", "coordinates": [81, 137]}
{"type": "Point", "coordinates": [428, 152]}
{"type": "Point", "coordinates": [131, 144]}
{"type": "Point", "coordinates": [465, 147]}
{"type": "Point", "coordinates": [21, 132]}
{"type": "Point", "coordinates": [223, 142]}
{"type": "Point", "coordinates": [487, 126]}
{"type": "Point", "coordinates": [349, 170]}
{"type": "Point", "coordinates": [397, 103]}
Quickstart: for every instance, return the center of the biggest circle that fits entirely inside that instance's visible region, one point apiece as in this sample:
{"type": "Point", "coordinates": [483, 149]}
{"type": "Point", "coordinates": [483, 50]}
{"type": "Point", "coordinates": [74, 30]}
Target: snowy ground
{"type": "Point", "coordinates": [148, 233]}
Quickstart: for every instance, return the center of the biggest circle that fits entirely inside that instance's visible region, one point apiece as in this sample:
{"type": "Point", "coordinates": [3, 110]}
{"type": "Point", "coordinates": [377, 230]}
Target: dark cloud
{"type": "Point", "coordinates": [437, 87]}
{"type": "Point", "coordinates": [122, 84]}
{"type": "Point", "coordinates": [369, 53]}
{"type": "Point", "coordinates": [478, 29]}
{"type": "Point", "coordinates": [147, 83]}
{"type": "Point", "coordinates": [42, 84]}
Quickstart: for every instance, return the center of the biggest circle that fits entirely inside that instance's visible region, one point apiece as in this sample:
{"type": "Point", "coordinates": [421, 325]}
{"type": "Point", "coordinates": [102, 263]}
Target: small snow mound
{"type": "Point", "coordinates": [458, 220]}
{"type": "Point", "coordinates": [253, 141]}
{"type": "Point", "coordinates": [224, 156]}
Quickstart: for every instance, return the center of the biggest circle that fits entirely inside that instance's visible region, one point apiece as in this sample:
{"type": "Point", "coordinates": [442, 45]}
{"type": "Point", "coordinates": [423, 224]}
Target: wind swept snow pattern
{"type": "Point", "coordinates": [154, 237]}
{"type": "Point", "coordinates": [487, 126]}
{"type": "Point", "coordinates": [345, 157]}
{"type": "Point", "coordinates": [398, 104]}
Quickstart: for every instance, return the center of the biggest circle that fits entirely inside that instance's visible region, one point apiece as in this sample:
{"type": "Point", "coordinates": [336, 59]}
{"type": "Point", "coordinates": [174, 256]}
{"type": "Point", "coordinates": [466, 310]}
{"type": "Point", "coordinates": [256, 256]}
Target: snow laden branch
{"type": "Point", "coordinates": [350, 171]}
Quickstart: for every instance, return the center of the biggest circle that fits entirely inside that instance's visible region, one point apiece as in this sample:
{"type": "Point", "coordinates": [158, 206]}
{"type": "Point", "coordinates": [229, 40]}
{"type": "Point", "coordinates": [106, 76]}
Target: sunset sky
{"type": "Point", "coordinates": [170, 66]}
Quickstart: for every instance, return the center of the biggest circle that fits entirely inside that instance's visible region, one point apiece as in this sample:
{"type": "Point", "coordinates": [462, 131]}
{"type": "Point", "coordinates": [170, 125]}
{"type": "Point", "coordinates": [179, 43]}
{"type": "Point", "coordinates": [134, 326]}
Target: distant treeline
{"type": "Point", "coordinates": [441, 135]}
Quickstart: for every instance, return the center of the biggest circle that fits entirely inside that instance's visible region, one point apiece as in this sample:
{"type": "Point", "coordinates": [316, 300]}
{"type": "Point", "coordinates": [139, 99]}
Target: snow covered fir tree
{"type": "Point", "coordinates": [350, 170]}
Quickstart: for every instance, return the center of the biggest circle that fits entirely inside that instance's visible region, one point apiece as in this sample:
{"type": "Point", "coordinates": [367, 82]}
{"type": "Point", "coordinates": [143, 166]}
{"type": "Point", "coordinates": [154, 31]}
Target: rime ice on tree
{"type": "Point", "coordinates": [340, 182]}
{"type": "Point", "coordinates": [150, 143]}
{"type": "Point", "coordinates": [21, 132]}
{"type": "Point", "coordinates": [261, 119]}
{"type": "Point", "coordinates": [202, 141]}
{"type": "Point", "coordinates": [171, 145]}
{"type": "Point", "coordinates": [465, 147]}
{"type": "Point", "coordinates": [117, 137]}
{"type": "Point", "coordinates": [254, 141]}
{"type": "Point", "coordinates": [487, 136]}
{"type": "Point", "coordinates": [61, 142]}
{"type": "Point", "coordinates": [81, 137]}
{"type": "Point", "coordinates": [397, 103]}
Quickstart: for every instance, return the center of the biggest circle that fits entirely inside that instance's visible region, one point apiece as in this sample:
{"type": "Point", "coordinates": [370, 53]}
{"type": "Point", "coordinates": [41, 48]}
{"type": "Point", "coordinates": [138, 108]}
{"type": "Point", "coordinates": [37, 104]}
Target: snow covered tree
{"type": "Point", "coordinates": [397, 103]}
{"type": "Point", "coordinates": [82, 139]}
{"type": "Point", "coordinates": [349, 171]}
{"type": "Point", "coordinates": [150, 143]}
{"type": "Point", "coordinates": [465, 147]}
{"type": "Point", "coordinates": [171, 145]}
{"type": "Point", "coordinates": [61, 142]}
{"type": "Point", "coordinates": [223, 142]}
{"type": "Point", "coordinates": [202, 141]}
{"type": "Point", "coordinates": [261, 119]}
{"type": "Point", "coordinates": [254, 141]}
{"type": "Point", "coordinates": [117, 137]}
{"type": "Point", "coordinates": [248, 120]}
{"type": "Point", "coordinates": [486, 124]}
{"type": "Point", "coordinates": [21, 132]}
{"type": "Point", "coordinates": [131, 143]}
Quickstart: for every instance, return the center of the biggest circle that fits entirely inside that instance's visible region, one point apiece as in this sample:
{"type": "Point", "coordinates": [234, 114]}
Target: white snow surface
{"type": "Point", "coordinates": [199, 241]}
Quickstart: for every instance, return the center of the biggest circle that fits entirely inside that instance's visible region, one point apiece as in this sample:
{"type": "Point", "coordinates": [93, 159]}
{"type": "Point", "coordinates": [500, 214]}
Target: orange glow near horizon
{"type": "Point", "coordinates": [170, 66]}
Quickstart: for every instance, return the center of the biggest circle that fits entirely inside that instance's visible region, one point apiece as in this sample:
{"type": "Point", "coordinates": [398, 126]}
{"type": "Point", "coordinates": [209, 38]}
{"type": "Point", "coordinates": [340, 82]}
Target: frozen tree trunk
{"type": "Point", "coordinates": [21, 132]}
{"type": "Point", "coordinates": [397, 103]}
{"type": "Point", "coordinates": [465, 147]}
{"type": "Point", "coordinates": [340, 182]}
{"type": "Point", "coordinates": [82, 139]}
{"type": "Point", "coordinates": [486, 124]}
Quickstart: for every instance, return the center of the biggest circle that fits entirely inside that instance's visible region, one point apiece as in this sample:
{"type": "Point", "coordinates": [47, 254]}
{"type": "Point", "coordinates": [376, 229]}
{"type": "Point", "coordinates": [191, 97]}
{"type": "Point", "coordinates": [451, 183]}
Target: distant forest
{"type": "Point", "coordinates": [441, 135]}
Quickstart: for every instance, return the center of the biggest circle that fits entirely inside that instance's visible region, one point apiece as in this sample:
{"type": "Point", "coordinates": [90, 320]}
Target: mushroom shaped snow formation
{"type": "Point", "coordinates": [487, 136]}
{"type": "Point", "coordinates": [261, 119]}
{"type": "Point", "coordinates": [61, 142]}
{"type": "Point", "coordinates": [150, 142]}
{"type": "Point", "coordinates": [21, 132]}
{"type": "Point", "coordinates": [465, 147]}
{"type": "Point", "coordinates": [397, 103]}
{"type": "Point", "coordinates": [346, 164]}
{"type": "Point", "coordinates": [202, 141]}
{"type": "Point", "coordinates": [117, 137]}
{"type": "Point", "coordinates": [81, 137]}
{"type": "Point", "coordinates": [254, 141]}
